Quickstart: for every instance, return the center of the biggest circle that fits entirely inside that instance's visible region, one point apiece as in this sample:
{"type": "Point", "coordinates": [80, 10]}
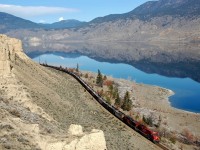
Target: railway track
{"type": "Point", "coordinates": [162, 146]}
{"type": "Point", "coordinates": [96, 96]}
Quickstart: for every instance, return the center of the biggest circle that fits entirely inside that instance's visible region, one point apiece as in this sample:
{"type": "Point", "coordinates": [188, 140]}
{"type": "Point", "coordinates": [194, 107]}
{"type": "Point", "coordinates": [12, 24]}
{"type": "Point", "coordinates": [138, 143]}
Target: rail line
{"type": "Point", "coordinates": [118, 114]}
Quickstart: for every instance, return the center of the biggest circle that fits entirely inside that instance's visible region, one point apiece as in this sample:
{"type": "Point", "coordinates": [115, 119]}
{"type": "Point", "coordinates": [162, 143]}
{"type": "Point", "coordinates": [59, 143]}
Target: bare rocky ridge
{"type": "Point", "coordinates": [158, 29]}
{"type": "Point", "coordinates": [39, 105]}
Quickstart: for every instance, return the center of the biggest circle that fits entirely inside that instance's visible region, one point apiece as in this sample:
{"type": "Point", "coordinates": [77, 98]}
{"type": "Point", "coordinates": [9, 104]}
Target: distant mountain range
{"type": "Point", "coordinates": [174, 21]}
{"type": "Point", "coordinates": [64, 24]}
{"type": "Point", "coordinates": [10, 22]}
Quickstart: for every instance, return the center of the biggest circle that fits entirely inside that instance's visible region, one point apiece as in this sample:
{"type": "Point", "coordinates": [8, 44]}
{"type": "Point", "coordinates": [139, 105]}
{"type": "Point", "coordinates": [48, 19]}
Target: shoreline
{"type": "Point", "coordinates": [171, 92]}
{"type": "Point", "coordinates": [154, 101]}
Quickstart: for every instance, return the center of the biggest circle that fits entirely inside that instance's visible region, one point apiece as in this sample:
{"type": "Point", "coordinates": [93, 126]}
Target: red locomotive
{"type": "Point", "coordinates": [142, 129]}
{"type": "Point", "coordinates": [149, 134]}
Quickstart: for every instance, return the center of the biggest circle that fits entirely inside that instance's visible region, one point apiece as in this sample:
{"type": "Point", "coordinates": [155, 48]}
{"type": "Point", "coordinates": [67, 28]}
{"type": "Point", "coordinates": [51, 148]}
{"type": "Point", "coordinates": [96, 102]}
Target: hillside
{"type": "Point", "coordinates": [164, 20]}
{"type": "Point", "coordinates": [64, 24]}
{"type": "Point", "coordinates": [151, 9]}
{"type": "Point", "coordinates": [9, 22]}
{"type": "Point", "coordinates": [39, 105]}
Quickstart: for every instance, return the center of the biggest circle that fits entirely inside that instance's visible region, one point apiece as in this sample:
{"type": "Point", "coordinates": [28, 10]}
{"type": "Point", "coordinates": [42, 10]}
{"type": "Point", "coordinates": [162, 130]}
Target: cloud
{"type": "Point", "coordinates": [61, 19]}
{"type": "Point", "coordinates": [42, 21]}
{"type": "Point", "coordinates": [32, 11]}
{"type": "Point", "coordinates": [62, 58]}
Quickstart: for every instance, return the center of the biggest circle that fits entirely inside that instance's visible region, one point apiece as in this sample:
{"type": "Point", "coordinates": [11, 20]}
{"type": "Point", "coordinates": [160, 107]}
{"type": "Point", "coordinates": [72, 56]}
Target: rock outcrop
{"type": "Point", "coordinates": [81, 141]}
{"type": "Point", "coordinates": [9, 47]}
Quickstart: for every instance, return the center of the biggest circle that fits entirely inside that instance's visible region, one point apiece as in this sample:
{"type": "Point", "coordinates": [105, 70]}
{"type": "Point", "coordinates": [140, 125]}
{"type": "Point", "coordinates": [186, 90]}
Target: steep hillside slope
{"type": "Point", "coordinates": [38, 106]}
{"type": "Point", "coordinates": [163, 20]}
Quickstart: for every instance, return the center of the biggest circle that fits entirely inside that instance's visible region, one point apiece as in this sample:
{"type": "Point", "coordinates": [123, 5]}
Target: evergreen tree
{"type": "Point", "coordinates": [111, 90]}
{"type": "Point", "coordinates": [117, 100]}
{"type": "Point", "coordinates": [99, 79]}
{"type": "Point", "coordinates": [127, 103]}
{"type": "Point", "coordinates": [115, 92]}
{"type": "Point", "coordinates": [105, 77]}
{"type": "Point", "coordinates": [77, 68]}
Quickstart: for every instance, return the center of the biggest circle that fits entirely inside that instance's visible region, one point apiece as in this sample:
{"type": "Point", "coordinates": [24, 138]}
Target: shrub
{"type": "Point", "coordinates": [108, 100]}
{"type": "Point", "coordinates": [173, 140]}
{"type": "Point", "coordinates": [86, 75]}
{"type": "Point", "coordinates": [15, 112]}
{"type": "Point", "coordinates": [148, 120]}
{"type": "Point", "coordinates": [137, 117]}
{"type": "Point", "coordinates": [108, 83]}
{"type": "Point", "coordinates": [100, 92]}
{"type": "Point", "coordinates": [188, 135]}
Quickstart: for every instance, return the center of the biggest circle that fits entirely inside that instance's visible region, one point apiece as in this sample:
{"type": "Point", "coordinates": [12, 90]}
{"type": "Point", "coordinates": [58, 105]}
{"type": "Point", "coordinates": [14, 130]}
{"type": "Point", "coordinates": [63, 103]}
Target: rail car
{"type": "Point", "coordinates": [140, 128]}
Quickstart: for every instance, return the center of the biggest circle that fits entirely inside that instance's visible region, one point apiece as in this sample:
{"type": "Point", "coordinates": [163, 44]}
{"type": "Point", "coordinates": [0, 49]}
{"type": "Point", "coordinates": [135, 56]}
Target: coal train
{"type": "Point", "coordinates": [140, 128]}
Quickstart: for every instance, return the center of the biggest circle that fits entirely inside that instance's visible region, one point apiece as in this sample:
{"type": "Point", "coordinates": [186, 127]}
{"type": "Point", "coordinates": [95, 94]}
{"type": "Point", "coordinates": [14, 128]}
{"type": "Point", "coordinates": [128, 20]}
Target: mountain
{"type": "Point", "coordinates": [71, 23]}
{"type": "Point", "coordinates": [150, 9]}
{"type": "Point", "coordinates": [173, 21]}
{"type": "Point", "coordinates": [175, 8]}
{"type": "Point", "coordinates": [10, 22]}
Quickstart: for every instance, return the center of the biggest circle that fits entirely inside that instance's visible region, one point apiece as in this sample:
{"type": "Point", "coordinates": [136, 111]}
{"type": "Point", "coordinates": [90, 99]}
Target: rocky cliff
{"type": "Point", "coordinates": [9, 48]}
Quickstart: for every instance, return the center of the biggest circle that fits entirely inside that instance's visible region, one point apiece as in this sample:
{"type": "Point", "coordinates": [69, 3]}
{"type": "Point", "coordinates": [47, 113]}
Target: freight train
{"type": "Point", "coordinates": [135, 125]}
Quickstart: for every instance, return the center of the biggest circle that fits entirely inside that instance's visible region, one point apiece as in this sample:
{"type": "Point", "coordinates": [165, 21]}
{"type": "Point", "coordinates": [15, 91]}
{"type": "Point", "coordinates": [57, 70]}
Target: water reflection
{"type": "Point", "coordinates": [166, 59]}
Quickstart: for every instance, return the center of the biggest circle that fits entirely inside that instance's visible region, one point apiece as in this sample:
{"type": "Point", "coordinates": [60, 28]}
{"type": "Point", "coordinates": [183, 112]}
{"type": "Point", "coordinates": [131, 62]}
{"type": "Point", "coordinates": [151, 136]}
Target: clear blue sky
{"type": "Point", "coordinates": [53, 10]}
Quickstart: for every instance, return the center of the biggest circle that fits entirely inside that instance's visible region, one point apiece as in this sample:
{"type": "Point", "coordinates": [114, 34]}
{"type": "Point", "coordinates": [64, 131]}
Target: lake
{"type": "Point", "coordinates": [187, 90]}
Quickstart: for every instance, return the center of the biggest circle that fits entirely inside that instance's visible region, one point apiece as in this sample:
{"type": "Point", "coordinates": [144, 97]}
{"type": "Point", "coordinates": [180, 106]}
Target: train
{"type": "Point", "coordinates": [135, 125]}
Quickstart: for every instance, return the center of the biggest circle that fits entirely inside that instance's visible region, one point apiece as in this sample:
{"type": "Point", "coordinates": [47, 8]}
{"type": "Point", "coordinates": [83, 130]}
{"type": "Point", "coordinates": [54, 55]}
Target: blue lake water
{"type": "Point", "coordinates": [187, 91]}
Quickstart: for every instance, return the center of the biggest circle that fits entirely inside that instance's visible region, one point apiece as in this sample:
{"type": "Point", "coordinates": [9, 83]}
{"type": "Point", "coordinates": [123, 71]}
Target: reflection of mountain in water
{"type": "Point", "coordinates": [170, 60]}
{"type": "Point", "coordinates": [57, 53]}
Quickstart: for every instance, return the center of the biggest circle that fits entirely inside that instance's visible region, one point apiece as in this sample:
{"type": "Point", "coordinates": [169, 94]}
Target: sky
{"type": "Point", "coordinates": [49, 11]}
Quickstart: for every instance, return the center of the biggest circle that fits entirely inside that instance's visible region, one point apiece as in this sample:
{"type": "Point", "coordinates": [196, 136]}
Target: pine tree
{"type": "Point", "coordinates": [111, 90]}
{"type": "Point", "coordinates": [115, 92]}
{"type": "Point", "coordinates": [105, 77]}
{"type": "Point", "coordinates": [99, 79]}
{"type": "Point", "coordinates": [127, 104]}
{"type": "Point", "coordinates": [77, 68]}
{"type": "Point", "coordinates": [117, 100]}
